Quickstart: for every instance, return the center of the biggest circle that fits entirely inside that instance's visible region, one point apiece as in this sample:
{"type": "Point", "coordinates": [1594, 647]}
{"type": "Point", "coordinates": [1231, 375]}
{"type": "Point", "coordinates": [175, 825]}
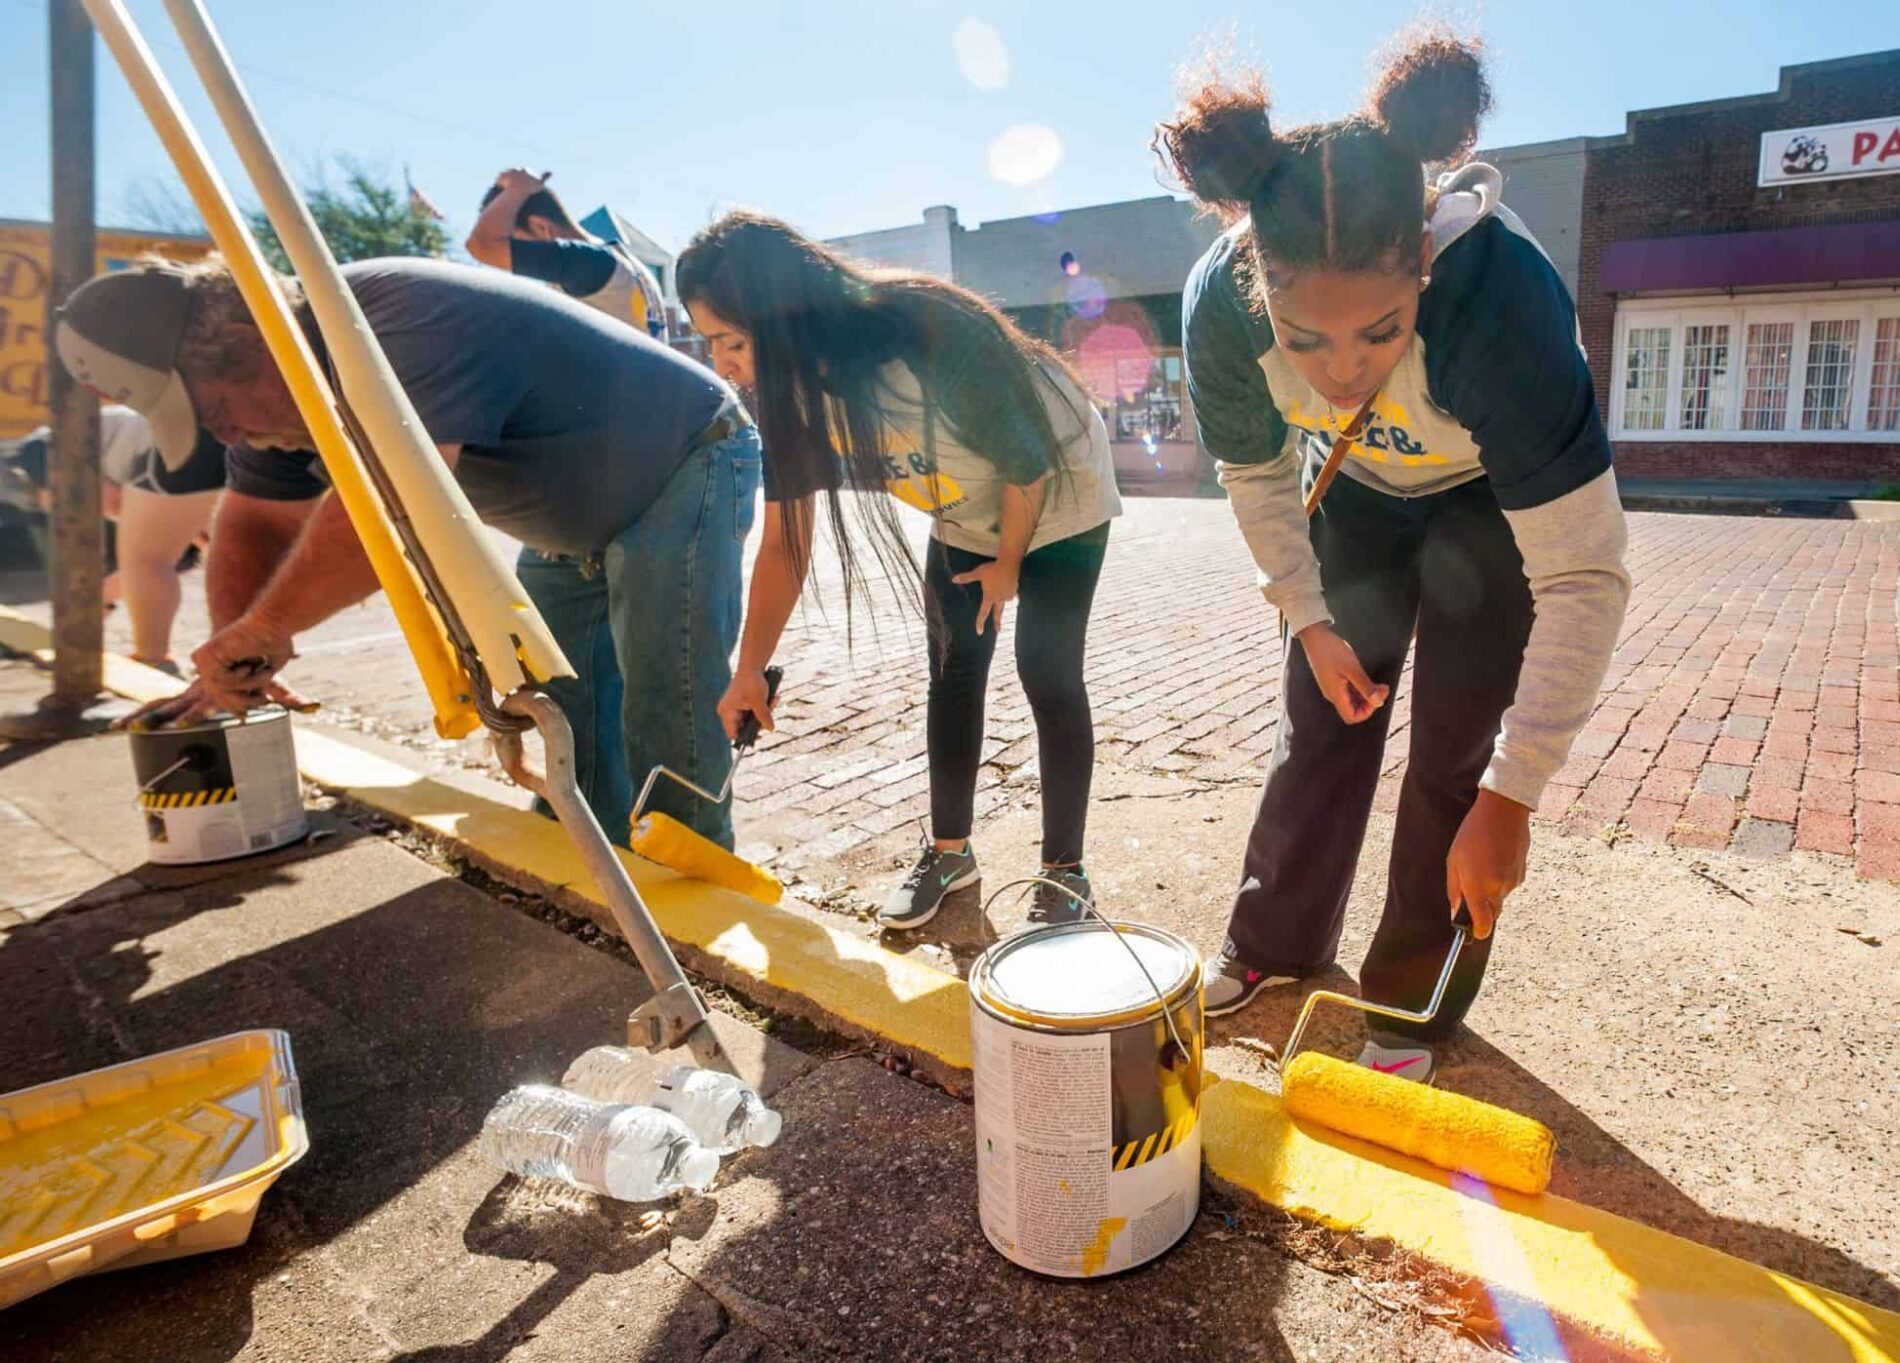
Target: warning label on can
{"type": "Point", "coordinates": [1052, 1193]}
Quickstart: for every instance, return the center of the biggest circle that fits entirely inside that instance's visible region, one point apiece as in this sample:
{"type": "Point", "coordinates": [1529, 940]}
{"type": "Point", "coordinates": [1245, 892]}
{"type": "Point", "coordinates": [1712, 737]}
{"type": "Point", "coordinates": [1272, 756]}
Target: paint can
{"type": "Point", "coordinates": [1086, 1042]}
{"type": "Point", "coordinates": [224, 788]}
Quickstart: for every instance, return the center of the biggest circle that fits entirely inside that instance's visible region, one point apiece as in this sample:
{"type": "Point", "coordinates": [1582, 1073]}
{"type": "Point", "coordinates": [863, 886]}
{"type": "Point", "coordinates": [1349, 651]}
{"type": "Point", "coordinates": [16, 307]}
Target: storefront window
{"type": "Point", "coordinates": [1141, 394]}
{"type": "Point", "coordinates": [1824, 365]}
{"type": "Point", "coordinates": [1770, 353]}
{"type": "Point", "coordinates": [1704, 377]}
{"type": "Point", "coordinates": [1830, 382]}
{"type": "Point", "coordinates": [1646, 378]}
{"type": "Point", "coordinates": [1883, 395]}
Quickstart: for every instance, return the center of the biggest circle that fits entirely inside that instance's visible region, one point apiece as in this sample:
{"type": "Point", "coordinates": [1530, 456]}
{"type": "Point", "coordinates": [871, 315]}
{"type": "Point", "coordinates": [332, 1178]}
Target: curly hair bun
{"type": "Point", "coordinates": [1432, 94]}
{"type": "Point", "coordinates": [1220, 145]}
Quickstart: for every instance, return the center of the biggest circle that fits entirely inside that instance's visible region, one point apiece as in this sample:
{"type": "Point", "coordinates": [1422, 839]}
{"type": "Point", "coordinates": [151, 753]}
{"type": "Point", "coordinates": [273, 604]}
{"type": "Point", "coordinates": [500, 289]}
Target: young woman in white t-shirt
{"type": "Point", "coordinates": [870, 380]}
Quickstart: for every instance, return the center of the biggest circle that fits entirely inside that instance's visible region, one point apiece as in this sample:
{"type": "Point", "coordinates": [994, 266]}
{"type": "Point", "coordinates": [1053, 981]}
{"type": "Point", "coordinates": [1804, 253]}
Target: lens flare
{"type": "Point", "coordinates": [1025, 154]}
{"type": "Point", "coordinates": [1088, 296]}
{"type": "Point", "coordinates": [1526, 1323]}
{"type": "Point", "coordinates": [1115, 362]}
{"type": "Point", "coordinates": [982, 56]}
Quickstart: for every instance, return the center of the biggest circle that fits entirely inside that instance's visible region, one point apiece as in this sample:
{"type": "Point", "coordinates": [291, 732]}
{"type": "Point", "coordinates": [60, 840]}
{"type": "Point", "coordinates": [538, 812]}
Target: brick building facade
{"type": "Point", "coordinates": [1741, 330]}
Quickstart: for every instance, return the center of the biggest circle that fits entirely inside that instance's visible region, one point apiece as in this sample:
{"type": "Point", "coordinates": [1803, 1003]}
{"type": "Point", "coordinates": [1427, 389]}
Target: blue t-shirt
{"type": "Point", "coordinates": [570, 423]}
{"type": "Point", "coordinates": [576, 268]}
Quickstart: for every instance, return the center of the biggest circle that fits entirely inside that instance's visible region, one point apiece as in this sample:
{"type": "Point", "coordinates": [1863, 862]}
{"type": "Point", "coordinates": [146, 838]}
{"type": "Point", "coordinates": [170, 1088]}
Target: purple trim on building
{"type": "Point", "coordinates": [1835, 254]}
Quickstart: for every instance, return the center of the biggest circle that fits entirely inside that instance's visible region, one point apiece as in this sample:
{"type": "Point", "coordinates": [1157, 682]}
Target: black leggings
{"type": "Point", "coordinates": [1447, 567]}
{"type": "Point", "coordinates": [1056, 590]}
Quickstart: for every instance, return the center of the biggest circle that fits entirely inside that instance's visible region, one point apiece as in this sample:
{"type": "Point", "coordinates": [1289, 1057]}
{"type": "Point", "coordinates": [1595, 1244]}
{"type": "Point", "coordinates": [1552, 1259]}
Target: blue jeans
{"type": "Point", "coordinates": [650, 627]}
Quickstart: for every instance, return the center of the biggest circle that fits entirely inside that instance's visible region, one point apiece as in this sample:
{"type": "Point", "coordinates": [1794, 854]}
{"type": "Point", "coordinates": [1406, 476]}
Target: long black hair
{"type": "Point", "coordinates": [822, 327]}
{"type": "Point", "coordinates": [1345, 195]}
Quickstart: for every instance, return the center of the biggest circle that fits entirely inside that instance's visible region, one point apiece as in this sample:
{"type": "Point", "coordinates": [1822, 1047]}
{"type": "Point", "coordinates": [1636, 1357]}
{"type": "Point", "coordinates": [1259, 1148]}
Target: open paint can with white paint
{"type": "Point", "coordinates": [1087, 1057]}
{"type": "Point", "coordinates": [224, 788]}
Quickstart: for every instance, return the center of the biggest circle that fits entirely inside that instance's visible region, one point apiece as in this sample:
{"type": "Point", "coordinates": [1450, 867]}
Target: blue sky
{"type": "Point", "coordinates": [849, 115]}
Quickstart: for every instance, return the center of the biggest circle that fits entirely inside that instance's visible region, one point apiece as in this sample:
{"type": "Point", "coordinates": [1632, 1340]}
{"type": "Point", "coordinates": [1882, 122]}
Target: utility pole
{"type": "Point", "coordinates": [77, 534]}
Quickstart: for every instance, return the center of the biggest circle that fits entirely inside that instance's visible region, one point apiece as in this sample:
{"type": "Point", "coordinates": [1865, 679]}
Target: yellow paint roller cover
{"type": "Point", "coordinates": [1447, 1129]}
{"type": "Point", "coordinates": [672, 844]}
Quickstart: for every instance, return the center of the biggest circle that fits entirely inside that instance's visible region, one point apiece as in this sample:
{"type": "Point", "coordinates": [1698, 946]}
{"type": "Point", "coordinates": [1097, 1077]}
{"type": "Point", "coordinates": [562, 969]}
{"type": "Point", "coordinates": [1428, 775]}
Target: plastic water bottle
{"type": "Point", "coordinates": [722, 1113]}
{"type": "Point", "coordinates": [637, 1154]}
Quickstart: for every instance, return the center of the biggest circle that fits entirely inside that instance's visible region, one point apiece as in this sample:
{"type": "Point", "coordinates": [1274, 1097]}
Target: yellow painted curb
{"type": "Point", "coordinates": [914, 1006]}
{"type": "Point", "coordinates": [1551, 1266]}
{"type": "Point", "coordinates": [919, 1008]}
{"type": "Point", "coordinates": [1554, 1268]}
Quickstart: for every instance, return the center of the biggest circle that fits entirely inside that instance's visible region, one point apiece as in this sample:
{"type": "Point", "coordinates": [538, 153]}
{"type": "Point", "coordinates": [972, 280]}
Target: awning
{"type": "Point", "coordinates": [1834, 254]}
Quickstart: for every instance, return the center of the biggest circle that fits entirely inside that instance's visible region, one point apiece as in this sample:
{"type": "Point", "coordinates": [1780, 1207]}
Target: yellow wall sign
{"type": "Point", "coordinates": [25, 250]}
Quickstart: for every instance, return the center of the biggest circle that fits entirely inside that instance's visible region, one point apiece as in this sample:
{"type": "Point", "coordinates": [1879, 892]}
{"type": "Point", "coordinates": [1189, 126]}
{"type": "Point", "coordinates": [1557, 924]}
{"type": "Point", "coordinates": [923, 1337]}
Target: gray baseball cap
{"type": "Point", "coordinates": [119, 335]}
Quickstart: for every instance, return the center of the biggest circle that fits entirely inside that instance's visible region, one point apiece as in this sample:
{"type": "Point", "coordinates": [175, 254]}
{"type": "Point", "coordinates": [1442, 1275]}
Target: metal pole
{"type": "Point", "coordinates": [77, 539]}
{"type": "Point", "coordinates": [78, 566]}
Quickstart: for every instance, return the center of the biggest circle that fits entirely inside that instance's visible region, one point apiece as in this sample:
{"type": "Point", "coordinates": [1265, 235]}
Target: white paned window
{"type": "Point", "coordinates": [1646, 378]}
{"type": "Point", "coordinates": [1826, 396]}
{"type": "Point", "coordinates": [1818, 366]}
{"type": "Point", "coordinates": [1705, 377]}
{"type": "Point", "coordinates": [1883, 393]}
{"type": "Point", "coordinates": [1765, 374]}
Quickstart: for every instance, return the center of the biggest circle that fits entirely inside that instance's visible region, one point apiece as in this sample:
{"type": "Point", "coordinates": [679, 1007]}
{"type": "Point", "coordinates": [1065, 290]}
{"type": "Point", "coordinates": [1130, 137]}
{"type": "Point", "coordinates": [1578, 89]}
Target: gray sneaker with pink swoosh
{"type": "Point", "coordinates": [1387, 1053]}
{"type": "Point", "coordinates": [1230, 984]}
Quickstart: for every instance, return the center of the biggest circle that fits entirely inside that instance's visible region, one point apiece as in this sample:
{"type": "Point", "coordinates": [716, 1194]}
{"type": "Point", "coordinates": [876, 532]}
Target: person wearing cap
{"type": "Point", "coordinates": [526, 230]}
{"type": "Point", "coordinates": [628, 472]}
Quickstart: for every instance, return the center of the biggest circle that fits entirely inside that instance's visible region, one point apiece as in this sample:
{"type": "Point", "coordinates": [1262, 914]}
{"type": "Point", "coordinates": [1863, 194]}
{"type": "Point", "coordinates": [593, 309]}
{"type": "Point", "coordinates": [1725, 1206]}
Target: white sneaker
{"type": "Point", "coordinates": [1396, 1056]}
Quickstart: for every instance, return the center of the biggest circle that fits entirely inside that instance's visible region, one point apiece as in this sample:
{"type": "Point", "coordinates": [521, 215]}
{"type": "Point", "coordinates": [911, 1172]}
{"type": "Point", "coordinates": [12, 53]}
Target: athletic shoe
{"type": "Point", "coordinates": [1387, 1053]}
{"type": "Point", "coordinates": [1060, 906]}
{"type": "Point", "coordinates": [916, 901]}
{"type": "Point", "coordinates": [1230, 984]}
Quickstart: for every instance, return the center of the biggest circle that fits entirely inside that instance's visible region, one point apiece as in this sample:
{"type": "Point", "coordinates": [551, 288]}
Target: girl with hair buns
{"type": "Point", "coordinates": [1476, 510]}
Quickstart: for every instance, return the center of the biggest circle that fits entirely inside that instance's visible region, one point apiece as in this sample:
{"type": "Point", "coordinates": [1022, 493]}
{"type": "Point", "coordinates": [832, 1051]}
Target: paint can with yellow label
{"type": "Point", "coordinates": [224, 788]}
{"type": "Point", "coordinates": [1087, 1057]}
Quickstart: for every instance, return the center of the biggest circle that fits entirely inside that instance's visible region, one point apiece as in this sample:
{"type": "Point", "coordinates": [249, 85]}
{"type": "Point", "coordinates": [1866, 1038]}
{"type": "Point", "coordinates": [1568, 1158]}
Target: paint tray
{"type": "Point", "coordinates": [152, 1159]}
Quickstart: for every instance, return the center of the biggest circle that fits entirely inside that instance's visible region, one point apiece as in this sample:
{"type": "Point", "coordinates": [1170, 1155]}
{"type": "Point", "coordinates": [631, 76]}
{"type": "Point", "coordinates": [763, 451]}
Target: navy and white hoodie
{"type": "Point", "coordinates": [1494, 385]}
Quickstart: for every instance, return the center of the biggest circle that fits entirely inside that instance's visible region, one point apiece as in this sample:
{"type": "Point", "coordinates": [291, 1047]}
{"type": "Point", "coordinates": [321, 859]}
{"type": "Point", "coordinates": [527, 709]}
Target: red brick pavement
{"type": "Point", "coordinates": [1754, 700]}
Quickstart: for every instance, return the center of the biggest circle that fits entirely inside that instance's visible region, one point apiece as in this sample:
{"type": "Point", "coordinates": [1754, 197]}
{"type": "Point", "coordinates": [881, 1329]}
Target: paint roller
{"type": "Point", "coordinates": [1454, 1132]}
{"type": "Point", "coordinates": [663, 839]}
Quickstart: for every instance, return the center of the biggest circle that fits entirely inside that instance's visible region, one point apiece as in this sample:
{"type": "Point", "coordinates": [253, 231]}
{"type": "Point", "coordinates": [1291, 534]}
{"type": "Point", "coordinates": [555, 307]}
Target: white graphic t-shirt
{"type": "Point", "coordinates": [926, 466]}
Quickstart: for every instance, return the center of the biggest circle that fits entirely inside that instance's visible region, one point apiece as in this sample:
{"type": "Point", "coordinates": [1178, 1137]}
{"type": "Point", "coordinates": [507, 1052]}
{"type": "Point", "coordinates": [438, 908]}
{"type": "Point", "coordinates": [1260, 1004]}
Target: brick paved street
{"type": "Point", "coordinates": [1754, 700]}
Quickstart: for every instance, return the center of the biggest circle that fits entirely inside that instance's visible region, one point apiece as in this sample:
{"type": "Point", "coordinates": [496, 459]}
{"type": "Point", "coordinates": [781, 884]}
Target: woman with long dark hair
{"type": "Point", "coordinates": [879, 381]}
{"type": "Point", "coordinates": [1476, 510]}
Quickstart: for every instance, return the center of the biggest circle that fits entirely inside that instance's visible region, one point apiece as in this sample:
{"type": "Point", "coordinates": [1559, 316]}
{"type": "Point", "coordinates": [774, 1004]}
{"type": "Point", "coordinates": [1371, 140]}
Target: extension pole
{"type": "Point", "coordinates": [449, 686]}
{"type": "Point", "coordinates": [76, 570]}
{"type": "Point", "coordinates": [514, 644]}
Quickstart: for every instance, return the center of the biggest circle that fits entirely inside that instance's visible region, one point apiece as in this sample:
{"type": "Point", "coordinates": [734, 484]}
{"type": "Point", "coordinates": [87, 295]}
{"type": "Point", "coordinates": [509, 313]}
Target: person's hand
{"type": "Point", "coordinates": [748, 692]}
{"type": "Point", "coordinates": [1340, 678]}
{"type": "Point", "coordinates": [517, 178]}
{"type": "Point", "coordinates": [1487, 859]}
{"type": "Point", "coordinates": [236, 665]}
{"type": "Point", "coordinates": [193, 704]}
{"type": "Point", "coordinates": [999, 584]}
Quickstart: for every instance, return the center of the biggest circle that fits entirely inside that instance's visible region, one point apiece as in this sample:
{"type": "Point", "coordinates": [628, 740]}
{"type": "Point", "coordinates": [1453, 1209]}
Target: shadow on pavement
{"type": "Point", "coordinates": [407, 1018]}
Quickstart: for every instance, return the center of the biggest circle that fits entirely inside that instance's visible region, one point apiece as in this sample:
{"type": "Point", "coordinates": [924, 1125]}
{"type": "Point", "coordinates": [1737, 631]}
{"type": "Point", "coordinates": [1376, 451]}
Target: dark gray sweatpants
{"type": "Point", "coordinates": [1448, 567]}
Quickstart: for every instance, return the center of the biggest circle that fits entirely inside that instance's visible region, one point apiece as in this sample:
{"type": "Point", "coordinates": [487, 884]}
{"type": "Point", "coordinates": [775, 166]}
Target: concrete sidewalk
{"type": "Point", "coordinates": [413, 1000]}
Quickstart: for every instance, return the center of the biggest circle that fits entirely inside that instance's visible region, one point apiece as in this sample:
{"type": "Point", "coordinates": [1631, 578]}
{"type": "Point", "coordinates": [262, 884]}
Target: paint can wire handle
{"type": "Point", "coordinates": [1089, 910]}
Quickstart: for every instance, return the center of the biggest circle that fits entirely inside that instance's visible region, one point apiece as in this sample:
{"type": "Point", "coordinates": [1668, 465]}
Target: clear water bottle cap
{"type": "Point", "coordinates": [697, 1167]}
{"type": "Point", "coordinates": [762, 1126]}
